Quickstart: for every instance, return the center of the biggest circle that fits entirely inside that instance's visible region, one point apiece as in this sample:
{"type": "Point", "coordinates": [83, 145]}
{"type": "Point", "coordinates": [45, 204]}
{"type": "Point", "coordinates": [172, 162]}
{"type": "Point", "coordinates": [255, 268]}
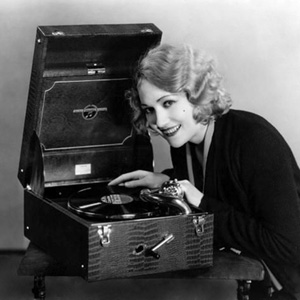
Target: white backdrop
{"type": "Point", "coordinates": [256, 43]}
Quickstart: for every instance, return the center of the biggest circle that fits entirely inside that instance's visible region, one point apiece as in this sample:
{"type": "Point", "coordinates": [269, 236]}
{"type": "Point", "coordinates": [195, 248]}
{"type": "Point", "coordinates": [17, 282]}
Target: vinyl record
{"type": "Point", "coordinates": [101, 204]}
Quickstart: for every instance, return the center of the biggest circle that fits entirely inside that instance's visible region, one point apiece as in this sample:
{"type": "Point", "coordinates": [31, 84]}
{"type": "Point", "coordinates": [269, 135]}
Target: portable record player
{"type": "Point", "coordinates": [77, 137]}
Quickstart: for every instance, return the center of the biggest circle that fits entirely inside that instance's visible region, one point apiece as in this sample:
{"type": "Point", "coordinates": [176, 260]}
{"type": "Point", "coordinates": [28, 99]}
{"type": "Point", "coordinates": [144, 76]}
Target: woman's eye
{"type": "Point", "coordinates": [168, 103]}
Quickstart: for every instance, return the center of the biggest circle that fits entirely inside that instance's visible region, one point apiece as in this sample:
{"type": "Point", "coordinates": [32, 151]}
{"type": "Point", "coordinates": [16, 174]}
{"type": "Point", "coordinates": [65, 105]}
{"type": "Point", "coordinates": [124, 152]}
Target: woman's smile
{"type": "Point", "coordinates": [170, 131]}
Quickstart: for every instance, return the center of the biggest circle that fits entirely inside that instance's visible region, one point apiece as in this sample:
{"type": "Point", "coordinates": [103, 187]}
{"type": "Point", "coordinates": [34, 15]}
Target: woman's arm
{"type": "Point", "coordinates": [140, 178]}
{"type": "Point", "coordinates": [268, 225]}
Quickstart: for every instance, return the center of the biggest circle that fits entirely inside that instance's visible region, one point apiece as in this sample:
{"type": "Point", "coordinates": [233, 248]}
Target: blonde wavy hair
{"type": "Point", "coordinates": [178, 69]}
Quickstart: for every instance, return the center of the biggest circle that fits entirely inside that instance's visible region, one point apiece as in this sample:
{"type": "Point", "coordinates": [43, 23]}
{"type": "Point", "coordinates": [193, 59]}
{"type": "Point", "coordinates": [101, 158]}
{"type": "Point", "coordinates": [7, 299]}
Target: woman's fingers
{"type": "Point", "coordinates": [136, 183]}
{"type": "Point", "coordinates": [140, 178]}
{"type": "Point", "coordinates": [192, 194]}
{"type": "Point", "coordinates": [126, 178]}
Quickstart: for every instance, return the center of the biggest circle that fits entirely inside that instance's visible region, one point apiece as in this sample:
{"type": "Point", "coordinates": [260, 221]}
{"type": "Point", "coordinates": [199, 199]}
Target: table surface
{"type": "Point", "coordinates": [226, 265]}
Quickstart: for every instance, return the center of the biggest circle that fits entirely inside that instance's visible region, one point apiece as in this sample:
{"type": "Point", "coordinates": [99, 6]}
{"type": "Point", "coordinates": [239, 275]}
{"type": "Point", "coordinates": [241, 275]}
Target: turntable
{"type": "Point", "coordinates": [77, 137]}
{"type": "Point", "coordinates": [119, 203]}
{"type": "Point", "coordinates": [105, 204]}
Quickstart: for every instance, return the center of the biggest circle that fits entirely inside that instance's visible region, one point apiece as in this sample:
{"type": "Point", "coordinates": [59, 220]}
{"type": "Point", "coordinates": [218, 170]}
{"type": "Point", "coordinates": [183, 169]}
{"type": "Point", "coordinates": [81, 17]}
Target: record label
{"type": "Point", "coordinates": [116, 199]}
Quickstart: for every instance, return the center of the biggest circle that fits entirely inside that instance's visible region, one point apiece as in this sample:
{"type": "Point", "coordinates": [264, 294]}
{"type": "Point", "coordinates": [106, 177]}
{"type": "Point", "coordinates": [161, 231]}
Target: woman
{"type": "Point", "coordinates": [231, 163]}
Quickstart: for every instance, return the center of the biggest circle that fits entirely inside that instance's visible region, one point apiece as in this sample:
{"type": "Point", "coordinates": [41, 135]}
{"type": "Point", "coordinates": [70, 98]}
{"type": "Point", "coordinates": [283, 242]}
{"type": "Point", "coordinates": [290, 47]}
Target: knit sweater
{"type": "Point", "coordinates": [252, 186]}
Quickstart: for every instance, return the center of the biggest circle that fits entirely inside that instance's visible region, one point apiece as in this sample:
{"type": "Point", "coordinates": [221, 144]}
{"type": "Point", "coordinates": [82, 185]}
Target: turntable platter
{"type": "Point", "coordinates": [101, 204]}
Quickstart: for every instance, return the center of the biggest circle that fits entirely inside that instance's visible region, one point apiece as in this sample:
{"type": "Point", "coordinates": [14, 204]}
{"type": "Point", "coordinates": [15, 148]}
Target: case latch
{"type": "Point", "coordinates": [104, 234]}
{"type": "Point", "coordinates": [199, 222]}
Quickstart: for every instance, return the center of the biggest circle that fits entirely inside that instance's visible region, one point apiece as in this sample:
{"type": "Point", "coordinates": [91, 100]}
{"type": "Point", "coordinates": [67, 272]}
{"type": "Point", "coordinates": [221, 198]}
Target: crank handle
{"type": "Point", "coordinates": [152, 251]}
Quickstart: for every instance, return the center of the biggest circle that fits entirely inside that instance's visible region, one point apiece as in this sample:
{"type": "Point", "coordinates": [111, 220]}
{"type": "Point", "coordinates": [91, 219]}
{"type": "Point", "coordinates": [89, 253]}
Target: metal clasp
{"type": "Point", "coordinates": [199, 222]}
{"type": "Point", "coordinates": [146, 30]}
{"type": "Point", "coordinates": [104, 234]}
{"type": "Point", "coordinates": [58, 33]}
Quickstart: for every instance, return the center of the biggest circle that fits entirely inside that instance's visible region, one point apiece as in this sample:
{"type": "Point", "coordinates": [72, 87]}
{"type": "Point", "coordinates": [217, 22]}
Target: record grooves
{"type": "Point", "coordinates": [107, 204]}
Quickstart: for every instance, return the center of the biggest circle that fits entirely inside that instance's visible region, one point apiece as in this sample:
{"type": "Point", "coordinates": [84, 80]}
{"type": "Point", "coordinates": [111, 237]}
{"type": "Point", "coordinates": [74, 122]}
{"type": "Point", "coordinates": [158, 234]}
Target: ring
{"type": "Point", "coordinates": [172, 188]}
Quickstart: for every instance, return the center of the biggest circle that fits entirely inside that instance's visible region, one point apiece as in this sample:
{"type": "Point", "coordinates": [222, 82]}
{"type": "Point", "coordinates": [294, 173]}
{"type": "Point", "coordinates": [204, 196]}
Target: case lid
{"type": "Point", "coordinates": [76, 105]}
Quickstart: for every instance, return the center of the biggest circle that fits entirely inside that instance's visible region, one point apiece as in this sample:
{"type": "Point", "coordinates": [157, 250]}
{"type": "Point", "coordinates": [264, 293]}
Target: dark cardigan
{"type": "Point", "coordinates": [252, 185]}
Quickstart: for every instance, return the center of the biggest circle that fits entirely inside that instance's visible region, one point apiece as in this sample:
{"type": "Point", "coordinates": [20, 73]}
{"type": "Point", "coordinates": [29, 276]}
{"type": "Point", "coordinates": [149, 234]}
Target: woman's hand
{"type": "Point", "coordinates": [192, 194]}
{"type": "Point", "coordinates": [153, 180]}
{"type": "Point", "coordinates": [140, 179]}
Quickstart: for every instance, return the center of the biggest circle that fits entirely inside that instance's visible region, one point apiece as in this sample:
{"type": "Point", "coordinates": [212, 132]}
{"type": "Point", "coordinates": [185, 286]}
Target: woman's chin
{"type": "Point", "coordinates": [175, 143]}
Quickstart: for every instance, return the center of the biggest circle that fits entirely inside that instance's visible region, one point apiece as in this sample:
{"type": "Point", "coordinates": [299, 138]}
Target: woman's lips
{"type": "Point", "coordinates": [170, 131]}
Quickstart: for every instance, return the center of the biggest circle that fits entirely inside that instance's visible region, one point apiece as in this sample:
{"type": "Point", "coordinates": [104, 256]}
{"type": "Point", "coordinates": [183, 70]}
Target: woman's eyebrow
{"type": "Point", "coordinates": [159, 99]}
{"type": "Point", "coordinates": [163, 97]}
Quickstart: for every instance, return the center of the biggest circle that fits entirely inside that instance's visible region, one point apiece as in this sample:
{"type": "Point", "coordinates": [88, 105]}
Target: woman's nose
{"type": "Point", "coordinates": [161, 118]}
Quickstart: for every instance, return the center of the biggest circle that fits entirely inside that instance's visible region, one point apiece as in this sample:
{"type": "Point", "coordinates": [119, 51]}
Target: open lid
{"type": "Point", "coordinates": [76, 103]}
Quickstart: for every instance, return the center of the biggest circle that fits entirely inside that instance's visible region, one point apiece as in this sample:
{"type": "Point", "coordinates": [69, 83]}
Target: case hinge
{"type": "Point", "coordinates": [199, 222]}
{"type": "Point", "coordinates": [104, 234]}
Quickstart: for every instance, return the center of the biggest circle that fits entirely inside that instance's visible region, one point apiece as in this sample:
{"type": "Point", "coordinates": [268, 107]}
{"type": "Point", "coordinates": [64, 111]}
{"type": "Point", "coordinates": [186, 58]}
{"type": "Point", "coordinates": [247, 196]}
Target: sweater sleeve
{"type": "Point", "coordinates": [269, 224]}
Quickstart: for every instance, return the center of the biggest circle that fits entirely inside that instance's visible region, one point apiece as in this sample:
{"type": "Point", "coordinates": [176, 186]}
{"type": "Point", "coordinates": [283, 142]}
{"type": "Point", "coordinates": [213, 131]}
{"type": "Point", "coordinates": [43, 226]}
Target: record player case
{"type": "Point", "coordinates": [77, 134]}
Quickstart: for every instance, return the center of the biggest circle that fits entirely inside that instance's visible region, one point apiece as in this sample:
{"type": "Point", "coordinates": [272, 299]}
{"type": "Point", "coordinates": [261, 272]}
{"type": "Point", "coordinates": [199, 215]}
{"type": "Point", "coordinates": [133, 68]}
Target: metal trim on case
{"type": "Point", "coordinates": [199, 222]}
{"type": "Point", "coordinates": [104, 234]}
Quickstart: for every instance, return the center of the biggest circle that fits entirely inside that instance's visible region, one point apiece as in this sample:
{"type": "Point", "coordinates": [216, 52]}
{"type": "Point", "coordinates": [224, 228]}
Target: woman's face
{"type": "Point", "coordinates": [170, 115]}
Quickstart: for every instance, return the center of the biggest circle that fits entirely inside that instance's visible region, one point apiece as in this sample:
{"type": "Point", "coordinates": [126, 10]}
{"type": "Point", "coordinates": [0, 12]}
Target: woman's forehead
{"type": "Point", "coordinates": [149, 93]}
